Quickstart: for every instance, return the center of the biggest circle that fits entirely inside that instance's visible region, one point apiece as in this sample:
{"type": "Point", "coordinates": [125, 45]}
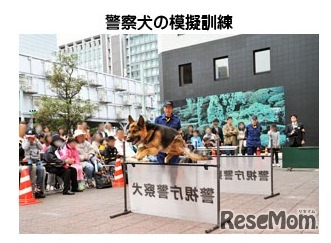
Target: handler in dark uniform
{"type": "Point", "coordinates": [169, 120]}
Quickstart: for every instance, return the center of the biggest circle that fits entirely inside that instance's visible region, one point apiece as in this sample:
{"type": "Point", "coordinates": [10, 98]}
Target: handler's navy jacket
{"type": "Point", "coordinates": [174, 121]}
{"type": "Point", "coordinates": [253, 135]}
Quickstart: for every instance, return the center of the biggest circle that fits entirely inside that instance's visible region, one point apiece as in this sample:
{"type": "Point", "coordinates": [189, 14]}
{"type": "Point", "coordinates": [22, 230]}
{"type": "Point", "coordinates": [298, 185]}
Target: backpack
{"type": "Point", "coordinates": [103, 179]}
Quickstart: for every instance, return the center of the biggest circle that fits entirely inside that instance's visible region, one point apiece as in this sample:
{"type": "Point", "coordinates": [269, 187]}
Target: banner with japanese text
{"type": "Point", "coordinates": [246, 174]}
{"type": "Point", "coordinates": [182, 192]}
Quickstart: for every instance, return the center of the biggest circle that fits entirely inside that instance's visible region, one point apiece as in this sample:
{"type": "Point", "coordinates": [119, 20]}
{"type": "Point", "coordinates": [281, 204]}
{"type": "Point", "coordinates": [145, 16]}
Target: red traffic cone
{"type": "Point", "coordinates": [258, 151]}
{"type": "Point", "coordinates": [213, 152]}
{"type": "Point", "coordinates": [118, 177]}
{"type": "Point", "coordinates": [26, 196]}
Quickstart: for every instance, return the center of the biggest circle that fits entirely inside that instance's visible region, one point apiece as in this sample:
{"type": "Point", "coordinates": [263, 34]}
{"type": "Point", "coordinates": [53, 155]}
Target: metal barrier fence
{"type": "Point", "coordinates": [184, 191]}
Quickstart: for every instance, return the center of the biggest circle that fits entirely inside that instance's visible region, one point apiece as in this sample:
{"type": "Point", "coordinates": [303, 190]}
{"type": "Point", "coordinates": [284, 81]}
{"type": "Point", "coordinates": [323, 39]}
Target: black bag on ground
{"type": "Point", "coordinates": [102, 179]}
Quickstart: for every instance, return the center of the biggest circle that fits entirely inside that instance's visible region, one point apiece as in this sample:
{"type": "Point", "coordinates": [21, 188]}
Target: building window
{"type": "Point", "coordinates": [221, 68]}
{"type": "Point", "coordinates": [185, 74]}
{"type": "Point", "coordinates": [262, 61]}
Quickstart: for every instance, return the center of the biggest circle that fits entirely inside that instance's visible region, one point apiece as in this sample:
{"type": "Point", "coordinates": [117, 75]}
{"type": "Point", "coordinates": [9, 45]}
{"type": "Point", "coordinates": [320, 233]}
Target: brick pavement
{"type": "Point", "coordinates": [88, 212]}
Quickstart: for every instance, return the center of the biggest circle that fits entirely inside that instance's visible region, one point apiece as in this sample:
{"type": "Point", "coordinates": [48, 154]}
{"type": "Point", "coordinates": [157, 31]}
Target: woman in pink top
{"type": "Point", "coordinates": [70, 151]}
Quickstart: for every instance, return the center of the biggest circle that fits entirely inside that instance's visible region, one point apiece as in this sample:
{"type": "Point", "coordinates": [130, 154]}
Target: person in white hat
{"type": "Point", "coordinates": [78, 132]}
{"type": "Point", "coordinates": [86, 155]}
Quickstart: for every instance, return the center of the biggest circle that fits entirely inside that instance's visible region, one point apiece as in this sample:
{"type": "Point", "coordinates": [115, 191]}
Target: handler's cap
{"type": "Point", "coordinates": [168, 103]}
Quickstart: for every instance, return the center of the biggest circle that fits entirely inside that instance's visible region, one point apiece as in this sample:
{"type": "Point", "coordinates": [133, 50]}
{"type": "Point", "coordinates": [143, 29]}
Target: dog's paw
{"type": "Point", "coordinates": [132, 160]}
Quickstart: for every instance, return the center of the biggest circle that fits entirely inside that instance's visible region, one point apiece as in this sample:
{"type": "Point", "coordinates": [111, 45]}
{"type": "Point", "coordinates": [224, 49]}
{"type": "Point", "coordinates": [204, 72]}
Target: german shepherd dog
{"type": "Point", "coordinates": [157, 138]}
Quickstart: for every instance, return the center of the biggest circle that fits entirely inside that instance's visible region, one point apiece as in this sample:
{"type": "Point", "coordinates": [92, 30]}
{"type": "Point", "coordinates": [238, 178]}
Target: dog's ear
{"type": "Point", "coordinates": [130, 119]}
{"type": "Point", "coordinates": [141, 121]}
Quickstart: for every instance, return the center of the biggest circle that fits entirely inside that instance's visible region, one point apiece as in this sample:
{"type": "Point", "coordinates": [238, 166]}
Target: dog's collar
{"type": "Point", "coordinates": [149, 136]}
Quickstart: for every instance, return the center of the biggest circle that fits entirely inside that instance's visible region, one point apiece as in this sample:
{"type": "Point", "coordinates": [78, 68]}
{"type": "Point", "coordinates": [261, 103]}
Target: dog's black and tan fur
{"type": "Point", "coordinates": [157, 138]}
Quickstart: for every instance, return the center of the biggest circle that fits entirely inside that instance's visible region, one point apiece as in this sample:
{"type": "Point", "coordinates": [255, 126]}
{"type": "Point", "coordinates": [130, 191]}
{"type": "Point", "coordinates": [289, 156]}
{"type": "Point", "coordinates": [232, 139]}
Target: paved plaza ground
{"type": "Point", "coordinates": [89, 211]}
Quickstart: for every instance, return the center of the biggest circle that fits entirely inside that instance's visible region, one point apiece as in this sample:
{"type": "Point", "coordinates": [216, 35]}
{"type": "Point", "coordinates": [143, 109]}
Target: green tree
{"type": "Point", "coordinates": [66, 109]}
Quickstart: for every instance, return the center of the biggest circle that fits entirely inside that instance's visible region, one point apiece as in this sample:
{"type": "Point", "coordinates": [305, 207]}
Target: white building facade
{"type": "Point", "coordinates": [129, 55]}
{"type": "Point", "coordinates": [116, 96]}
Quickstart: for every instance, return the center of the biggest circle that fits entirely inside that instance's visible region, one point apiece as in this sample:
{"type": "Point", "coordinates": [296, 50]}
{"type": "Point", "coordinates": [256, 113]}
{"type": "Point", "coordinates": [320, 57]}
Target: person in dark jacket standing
{"type": "Point", "coordinates": [170, 120]}
{"type": "Point", "coordinates": [218, 131]}
{"type": "Point", "coordinates": [295, 132]}
{"type": "Point", "coordinates": [61, 167]}
{"type": "Point", "coordinates": [253, 133]}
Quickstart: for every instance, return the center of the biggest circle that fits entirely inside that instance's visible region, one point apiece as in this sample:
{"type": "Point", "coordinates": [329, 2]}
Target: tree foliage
{"type": "Point", "coordinates": [66, 108]}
